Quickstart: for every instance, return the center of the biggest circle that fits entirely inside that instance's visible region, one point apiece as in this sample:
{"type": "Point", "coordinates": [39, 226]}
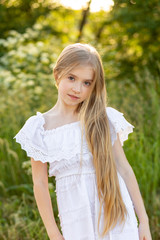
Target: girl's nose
{"type": "Point", "coordinates": [77, 88]}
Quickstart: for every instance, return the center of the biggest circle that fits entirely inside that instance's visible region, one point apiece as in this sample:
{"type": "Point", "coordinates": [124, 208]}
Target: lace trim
{"type": "Point", "coordinates": [123, 133]}
{"type": "Point", "coordinates": [39, 155]}
{"type": "Point", "coordinates": [40, 151]}
{"type": "Point", "coordinates": [118, 124]}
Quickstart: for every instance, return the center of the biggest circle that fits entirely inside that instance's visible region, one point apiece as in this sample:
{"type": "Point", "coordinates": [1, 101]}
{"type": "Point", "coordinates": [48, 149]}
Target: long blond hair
{"type": "Point", "coordinates": [93, 117]}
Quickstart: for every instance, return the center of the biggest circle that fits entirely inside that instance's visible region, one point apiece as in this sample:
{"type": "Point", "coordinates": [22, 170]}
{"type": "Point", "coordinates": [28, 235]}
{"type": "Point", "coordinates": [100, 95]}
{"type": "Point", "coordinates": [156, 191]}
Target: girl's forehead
{"type": "Point", "coordinates": [84, 67]}
{"type": "Point", "coordinates": [83, 71]}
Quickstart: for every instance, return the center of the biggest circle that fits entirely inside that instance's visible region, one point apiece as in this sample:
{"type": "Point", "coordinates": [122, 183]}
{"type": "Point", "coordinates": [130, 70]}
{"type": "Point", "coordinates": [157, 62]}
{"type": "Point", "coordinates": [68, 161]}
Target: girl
{"type": "Point", "coordinates": [82, 141]}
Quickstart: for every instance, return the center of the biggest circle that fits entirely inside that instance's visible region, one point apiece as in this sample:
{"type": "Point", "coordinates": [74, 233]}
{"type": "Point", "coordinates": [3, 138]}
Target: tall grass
{"type": "Point", "coordinates": [140, 105]}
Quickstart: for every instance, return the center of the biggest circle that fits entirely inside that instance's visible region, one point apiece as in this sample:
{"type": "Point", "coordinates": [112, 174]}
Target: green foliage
{"type": "Point", "coordinates": [19, 15]}
{"type": "Point", "coordinates": [136, 31]}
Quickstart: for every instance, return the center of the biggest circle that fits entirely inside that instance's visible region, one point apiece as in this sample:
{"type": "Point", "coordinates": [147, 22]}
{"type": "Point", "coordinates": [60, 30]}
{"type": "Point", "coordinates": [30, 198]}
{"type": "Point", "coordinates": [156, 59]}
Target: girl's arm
{"type": "Point", "coordinates": [43, 200]}
{"type": "Point", "coordinates": [128, 175]}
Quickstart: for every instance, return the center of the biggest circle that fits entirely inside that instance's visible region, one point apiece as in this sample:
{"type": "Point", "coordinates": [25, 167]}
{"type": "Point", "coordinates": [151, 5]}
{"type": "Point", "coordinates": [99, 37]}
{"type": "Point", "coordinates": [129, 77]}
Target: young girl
{"type": "Point", "coordinates": [81, 138]}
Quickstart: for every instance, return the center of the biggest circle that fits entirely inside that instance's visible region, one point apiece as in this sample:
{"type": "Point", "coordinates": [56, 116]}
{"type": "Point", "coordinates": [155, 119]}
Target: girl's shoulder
{"type": "Point", "coordinates": [118, 125]}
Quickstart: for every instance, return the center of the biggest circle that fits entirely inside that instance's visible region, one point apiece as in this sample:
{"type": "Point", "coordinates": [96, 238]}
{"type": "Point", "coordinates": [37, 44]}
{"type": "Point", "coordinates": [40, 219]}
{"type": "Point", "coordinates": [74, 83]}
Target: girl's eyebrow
{"type": "Point", "coordinates": [77, 77]}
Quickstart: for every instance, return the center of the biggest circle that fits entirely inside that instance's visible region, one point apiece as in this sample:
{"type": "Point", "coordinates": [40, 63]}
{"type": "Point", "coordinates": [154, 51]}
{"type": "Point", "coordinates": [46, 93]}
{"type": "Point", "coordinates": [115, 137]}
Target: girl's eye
{"type": "Point", "coordinates": [88, 83]}
{"type": "Point", "coordinates": [71, 77]}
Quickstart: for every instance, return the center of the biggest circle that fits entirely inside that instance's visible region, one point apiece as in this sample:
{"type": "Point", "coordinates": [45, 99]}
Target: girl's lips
{"type": "Point", "coordinates": [73, 97]}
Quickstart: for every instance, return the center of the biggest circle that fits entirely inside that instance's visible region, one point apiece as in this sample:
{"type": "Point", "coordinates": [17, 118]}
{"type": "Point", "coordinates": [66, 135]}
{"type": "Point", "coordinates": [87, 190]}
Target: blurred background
{"type": "Point", "coordinates": [32, 35]}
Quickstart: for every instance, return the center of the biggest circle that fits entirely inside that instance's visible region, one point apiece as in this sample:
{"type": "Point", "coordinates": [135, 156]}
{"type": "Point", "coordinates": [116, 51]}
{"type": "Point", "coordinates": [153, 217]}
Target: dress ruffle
{"type": "Point", "coordinates": [50, 145]}
{"type": "Point", "coordinates": [118, 124]}
{"type": "Point", "coordinates": [64, 142]}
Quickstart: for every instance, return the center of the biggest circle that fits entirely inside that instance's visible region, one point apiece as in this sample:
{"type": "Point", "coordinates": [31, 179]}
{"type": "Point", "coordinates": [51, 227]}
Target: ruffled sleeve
{"type": "Point", "coordinates": [30, 138]}
{"type": "Point", "coordinates": [53, 145]}
{"type": "Point", "coordinates": [118, 124]}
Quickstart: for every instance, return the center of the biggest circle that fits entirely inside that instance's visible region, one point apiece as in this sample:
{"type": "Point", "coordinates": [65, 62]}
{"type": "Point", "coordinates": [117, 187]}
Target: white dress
{"type": "Point", "coordinates": [76, 189]}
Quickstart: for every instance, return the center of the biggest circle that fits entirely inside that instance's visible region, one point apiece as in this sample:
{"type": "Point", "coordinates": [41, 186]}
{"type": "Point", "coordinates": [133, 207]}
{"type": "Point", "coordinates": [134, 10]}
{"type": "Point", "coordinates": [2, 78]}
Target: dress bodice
{"type": "Point", "coordinates": [61, 146]}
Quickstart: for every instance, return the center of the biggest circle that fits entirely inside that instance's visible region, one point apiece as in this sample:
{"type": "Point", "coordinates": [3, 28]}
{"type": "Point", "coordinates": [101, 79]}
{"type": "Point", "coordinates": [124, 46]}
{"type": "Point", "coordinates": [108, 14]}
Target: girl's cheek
{"type": "Point", "coordinates": [64, 85]}
{"type": "Point", "coordinates": [67, 84]}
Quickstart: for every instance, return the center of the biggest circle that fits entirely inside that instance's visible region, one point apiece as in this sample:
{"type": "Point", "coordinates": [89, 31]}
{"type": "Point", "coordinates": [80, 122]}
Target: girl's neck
{"type": "Point", "coordinates": [63, 113]}
{"type": "Point", "coordinates": [67, 111]}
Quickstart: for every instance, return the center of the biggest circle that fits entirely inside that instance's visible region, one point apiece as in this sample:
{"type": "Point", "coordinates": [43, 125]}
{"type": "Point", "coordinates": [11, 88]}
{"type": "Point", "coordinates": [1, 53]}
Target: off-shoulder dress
{"type": "Point", "coordinates": [76, 189]}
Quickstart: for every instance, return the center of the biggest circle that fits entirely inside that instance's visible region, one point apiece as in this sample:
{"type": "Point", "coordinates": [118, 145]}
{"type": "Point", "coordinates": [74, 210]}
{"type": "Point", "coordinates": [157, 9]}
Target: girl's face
{"type": "Point", "coordinates": [76, 86]}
